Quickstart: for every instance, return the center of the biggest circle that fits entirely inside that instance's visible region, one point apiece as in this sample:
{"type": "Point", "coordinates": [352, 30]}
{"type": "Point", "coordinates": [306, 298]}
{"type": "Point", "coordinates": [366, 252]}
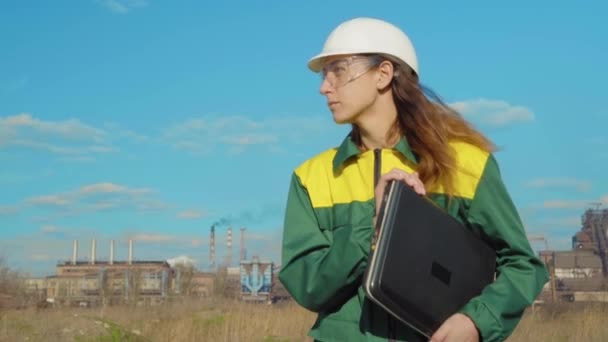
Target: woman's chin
{"type": "Point", "coordinates": [341, 119]}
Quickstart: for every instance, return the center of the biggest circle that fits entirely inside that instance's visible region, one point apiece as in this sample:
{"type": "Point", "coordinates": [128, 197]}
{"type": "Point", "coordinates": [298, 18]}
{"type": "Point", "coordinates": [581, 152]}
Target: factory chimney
{"type": "Point", "coordinates": [229, 246]}
{"type": "Point", "coordinates": [93, 251]}
{"type": "Point", "coordinates": [111, 252]}
{"type": "Point", "coordinates": [212, 249]}
{"type": "Point", "coordinates": [130, 251]}
{"type": "Point", "coordinates": [75, 252]}
{"type": "Point", "coordinates": [243, 255]}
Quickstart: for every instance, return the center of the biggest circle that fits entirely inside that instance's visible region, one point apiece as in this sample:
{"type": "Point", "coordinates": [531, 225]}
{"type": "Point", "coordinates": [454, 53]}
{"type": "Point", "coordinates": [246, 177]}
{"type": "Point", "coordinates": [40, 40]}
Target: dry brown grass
{"type": "Point", "coordinates": [208, 320]}
{"type": "Point", "coordinates": [222, 320]}
{"type": "Point", "coordinates": [565, 322]}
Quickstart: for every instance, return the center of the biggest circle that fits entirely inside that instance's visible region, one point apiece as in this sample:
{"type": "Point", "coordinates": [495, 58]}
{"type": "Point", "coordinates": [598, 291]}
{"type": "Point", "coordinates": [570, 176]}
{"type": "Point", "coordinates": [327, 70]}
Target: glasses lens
{"type": "Point", "coordinates": [336, 72]}
{"type": "Point", "coordinates": [343, 71]}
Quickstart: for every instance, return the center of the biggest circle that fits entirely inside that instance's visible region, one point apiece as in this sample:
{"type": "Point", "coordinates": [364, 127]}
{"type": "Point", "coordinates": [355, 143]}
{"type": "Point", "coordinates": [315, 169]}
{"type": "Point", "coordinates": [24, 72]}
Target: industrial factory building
{"type": "Point", "coordinates": [148, 282]}
{"type": "Point", "coordinates": [93, 282]}
{"type": "Point", "coordinates": [580, 274]}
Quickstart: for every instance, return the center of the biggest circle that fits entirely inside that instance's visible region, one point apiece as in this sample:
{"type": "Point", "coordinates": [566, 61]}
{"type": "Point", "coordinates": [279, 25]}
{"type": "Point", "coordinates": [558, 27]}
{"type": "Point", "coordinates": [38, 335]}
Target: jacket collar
{"type": "Point", "coordinates": [349, 149]}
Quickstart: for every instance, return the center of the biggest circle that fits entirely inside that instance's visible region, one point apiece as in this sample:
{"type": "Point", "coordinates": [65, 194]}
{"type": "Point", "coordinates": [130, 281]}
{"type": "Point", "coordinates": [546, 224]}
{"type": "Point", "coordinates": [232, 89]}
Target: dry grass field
{"type": "Point", "coordinates": [224, 320]}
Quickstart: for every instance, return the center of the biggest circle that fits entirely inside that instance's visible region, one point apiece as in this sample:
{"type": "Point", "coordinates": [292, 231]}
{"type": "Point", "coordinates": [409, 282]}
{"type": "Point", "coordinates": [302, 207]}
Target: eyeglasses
{"type": "Point", "coordinates": [342, 71]}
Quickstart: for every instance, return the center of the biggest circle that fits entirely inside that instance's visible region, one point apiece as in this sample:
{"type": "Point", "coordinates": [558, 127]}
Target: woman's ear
{"type": "Point", "coordinates": [385, 74]}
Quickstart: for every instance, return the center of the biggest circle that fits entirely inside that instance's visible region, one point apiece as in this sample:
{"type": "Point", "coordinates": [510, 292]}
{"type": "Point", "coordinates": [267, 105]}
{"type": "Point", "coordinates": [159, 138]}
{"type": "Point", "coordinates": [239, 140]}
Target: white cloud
{"type": "Point", "coordinates": [101, 149]}
{"type": "Point", "coordinates": [578, 184]}
{"type": "Point", "coordinates": [70, 139]}
{"type": "Point", "coordinates": [564, 222]}
{"type": "Point", "coordinates": [49, 200]}
{"type": "Point", "coordinates": [78, 159]}
{"type": "Point", "coordinates": [102, 205]}
{"type": "Point", "coordinates": [493, 112]}
{"type": "Point", "coordinates": [133, 136]}
{"type": "Point", "coordinates": [8, 210]}
{"type": "Point", "coordinates": [530, 212]}
{"type": "Point", "coordinates": [112, 188]}
{"type": "Point", "coordinates": [63, 150]}
{"type": "Point", "coordinates": [100, 197]}
{"type": "Point", "coordinates": [68, 129]}
{"type": "Point", "coordinates": [152, 205]}
{"type": "Point", "coordinates": [190, 214]}
{"type": "Point", "coordinates": [250, 139]}
{"type": "Point", "coordinates": [67, 138]}
{"type": "Point", "coordinates": [49, 230]}
{"type": "Point", "coordinates": [123, 133]}
{"type": "Point", "coordinates": [40, 257]}
{"type": "Point", "coordinates": [258, 237]}
{"type": "Point", "coordinates": [123, 6]}
{"type": "Point", "coordinates": [143, 237]}
{"type": "Point", "coordinates": [566, 204]}
{"type": "Point", "coordinates": [115, 6]}
{"type": "Point", "coordinates": [46, 229]}
{"type": "Point", "coordinates": [202, 135]}
{"type": "Point", "coordinates": [191, 146]}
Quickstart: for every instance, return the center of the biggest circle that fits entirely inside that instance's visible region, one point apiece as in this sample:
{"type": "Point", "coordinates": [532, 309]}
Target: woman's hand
{"type": "Point", "coordinates": [457, 328]}
{"type": "Point", "coordinates": [410, 179]}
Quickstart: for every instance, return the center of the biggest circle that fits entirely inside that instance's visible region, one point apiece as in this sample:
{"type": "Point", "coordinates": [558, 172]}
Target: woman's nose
{"type": "Point", "coordinates": [325, 87]}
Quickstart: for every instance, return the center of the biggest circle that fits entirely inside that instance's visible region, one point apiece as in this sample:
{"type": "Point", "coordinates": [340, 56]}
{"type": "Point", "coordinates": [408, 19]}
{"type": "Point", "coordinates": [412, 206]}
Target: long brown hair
{"type": "Point", "coordinates": [429, 126]}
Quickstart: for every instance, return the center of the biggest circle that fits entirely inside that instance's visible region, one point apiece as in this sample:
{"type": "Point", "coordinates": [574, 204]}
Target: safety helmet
{"type": "Point", "coordinates": [367, 35]}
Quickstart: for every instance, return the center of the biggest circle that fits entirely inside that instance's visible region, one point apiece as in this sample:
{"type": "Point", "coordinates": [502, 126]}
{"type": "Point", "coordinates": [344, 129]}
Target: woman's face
{"type": "Point", "coordinates": [348, 86]}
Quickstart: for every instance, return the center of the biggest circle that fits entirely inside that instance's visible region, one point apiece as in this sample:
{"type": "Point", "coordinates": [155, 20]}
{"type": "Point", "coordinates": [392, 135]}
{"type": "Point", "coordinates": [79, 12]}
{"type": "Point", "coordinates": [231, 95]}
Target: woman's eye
{"type": "Point", "coordinates": [339, 70]}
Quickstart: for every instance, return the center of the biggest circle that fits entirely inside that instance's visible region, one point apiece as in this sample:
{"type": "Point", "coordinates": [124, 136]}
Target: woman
{"type": "Point", "coordinates": [370, 80]}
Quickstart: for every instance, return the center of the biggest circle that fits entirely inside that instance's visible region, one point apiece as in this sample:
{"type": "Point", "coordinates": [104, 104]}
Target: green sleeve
{"type": "Point", "coordinates": [520, 274]}
{"type": "Point", "coordinates": [319, 270]}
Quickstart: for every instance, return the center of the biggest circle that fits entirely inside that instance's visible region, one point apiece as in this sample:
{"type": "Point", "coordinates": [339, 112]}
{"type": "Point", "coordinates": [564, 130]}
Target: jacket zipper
{"type": "Point", "coordinates": [377, 165]}
{"type": "Point", "coordinates": [377, 171]}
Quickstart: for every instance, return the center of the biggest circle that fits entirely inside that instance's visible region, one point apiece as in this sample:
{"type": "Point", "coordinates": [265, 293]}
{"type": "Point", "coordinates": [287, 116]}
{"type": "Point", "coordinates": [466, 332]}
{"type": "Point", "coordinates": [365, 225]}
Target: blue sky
{"type": "Point", "coordinates": [152, 119]}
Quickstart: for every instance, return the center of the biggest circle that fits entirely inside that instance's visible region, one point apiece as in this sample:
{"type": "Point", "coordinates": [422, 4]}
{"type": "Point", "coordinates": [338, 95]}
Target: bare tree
{"type": "Point", "coordinates": [184, 279]}
{"type": "Point", "coordinates": [134, 286]}
{"type": "Point", "coordinates": [220, 283]}
{"type": "Point", "coordinates": [12, 286]}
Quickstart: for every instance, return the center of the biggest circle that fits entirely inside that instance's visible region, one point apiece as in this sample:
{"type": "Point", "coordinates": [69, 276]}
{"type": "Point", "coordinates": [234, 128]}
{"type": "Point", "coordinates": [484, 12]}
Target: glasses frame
{"type": "Point", "coordinates": [331, 69]}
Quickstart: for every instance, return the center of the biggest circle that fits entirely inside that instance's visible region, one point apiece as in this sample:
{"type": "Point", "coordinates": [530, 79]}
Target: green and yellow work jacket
{"type": "Point", "coordinates": [328, 229]}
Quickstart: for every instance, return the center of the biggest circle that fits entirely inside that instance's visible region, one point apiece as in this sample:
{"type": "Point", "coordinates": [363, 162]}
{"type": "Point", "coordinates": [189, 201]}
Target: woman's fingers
{"type": "Point", "coordinates": [411, 179]}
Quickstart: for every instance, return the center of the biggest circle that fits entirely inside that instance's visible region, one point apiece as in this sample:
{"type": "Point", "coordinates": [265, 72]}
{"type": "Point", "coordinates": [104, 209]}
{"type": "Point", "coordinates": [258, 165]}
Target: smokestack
{"type": "Point", "coordinates": [229, 246]}
{"type": "Point", "coordinates": [111, 252]}
{"type": "Point", "coordinates": [212, 248]}
{"type": "Point", "coordinates": [243, 257]}
{"type": "Point", "coordinates": [93, 251]}
{"type": "Point", "coordinates": [75, 252]}
{"type": "Point", "coordinates": [130, 251]}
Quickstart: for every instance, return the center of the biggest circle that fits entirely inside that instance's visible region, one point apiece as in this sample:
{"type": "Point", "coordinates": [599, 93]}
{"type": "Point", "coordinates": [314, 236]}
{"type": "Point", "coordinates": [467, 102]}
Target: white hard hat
{"type": "Point", "coordinates": [367, 35]}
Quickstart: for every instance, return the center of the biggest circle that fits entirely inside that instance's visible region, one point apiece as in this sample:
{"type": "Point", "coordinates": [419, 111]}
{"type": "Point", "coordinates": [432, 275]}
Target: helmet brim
{"type": "Point", "coordinates": [315, 64]}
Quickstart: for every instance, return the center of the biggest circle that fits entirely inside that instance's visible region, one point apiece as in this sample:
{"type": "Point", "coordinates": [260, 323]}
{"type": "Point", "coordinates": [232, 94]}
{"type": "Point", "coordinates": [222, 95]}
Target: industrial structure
{"type": "Point", "coordinates": [256, 280]}
{"type": "Point", "coordinates": [253, 280]}
{"type": "Point", "coordinates": [580, 274]}
{"type": "Point", "coordinates": [228, 260]}
{"type": "Point", "coordinates": [94, 282]}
